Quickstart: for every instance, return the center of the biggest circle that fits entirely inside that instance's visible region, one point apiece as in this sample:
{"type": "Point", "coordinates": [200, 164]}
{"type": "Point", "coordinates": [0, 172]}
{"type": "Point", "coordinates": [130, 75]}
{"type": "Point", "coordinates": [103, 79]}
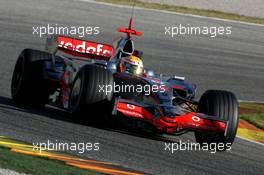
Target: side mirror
{"type": "Point", "coordinates": [179, 78]}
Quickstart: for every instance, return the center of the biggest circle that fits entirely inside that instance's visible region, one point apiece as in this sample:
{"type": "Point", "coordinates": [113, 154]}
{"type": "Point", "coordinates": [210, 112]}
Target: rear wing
{"type": "Point", "coordinates": [78, 47]}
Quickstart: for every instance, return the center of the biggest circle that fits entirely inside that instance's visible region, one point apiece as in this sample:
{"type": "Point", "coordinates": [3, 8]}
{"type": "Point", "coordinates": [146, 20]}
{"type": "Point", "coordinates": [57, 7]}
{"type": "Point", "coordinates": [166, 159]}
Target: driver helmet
{"type": "Point", "coordinates": [132, 64]}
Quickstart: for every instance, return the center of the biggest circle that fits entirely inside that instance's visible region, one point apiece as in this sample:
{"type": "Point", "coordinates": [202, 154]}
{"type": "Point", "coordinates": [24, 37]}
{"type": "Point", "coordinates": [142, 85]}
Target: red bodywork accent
{"type": "Point", "coordinates": [178, 87]}
{"type": "Point", "coordinates": [130, 31]}
{"type": "Point", "coordinates": [83, 48]}
{"type": "Point", "coordinates": [65, 89]}
{"type": "Point", "coordinates": [190, 121]}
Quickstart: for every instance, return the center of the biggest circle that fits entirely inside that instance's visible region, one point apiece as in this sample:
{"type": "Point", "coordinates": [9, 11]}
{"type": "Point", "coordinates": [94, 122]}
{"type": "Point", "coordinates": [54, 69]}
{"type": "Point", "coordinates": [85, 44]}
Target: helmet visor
{"type": "Point", "coordinates": [134, 69]}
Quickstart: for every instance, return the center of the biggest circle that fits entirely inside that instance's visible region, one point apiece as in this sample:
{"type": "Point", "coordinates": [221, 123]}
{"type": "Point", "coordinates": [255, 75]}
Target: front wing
{"type": "Point", "coordinates": [192, 121]}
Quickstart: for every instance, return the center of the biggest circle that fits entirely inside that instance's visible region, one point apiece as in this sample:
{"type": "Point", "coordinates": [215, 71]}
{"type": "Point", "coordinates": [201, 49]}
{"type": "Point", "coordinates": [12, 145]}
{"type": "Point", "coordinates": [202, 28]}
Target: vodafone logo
{"type": "Point", "coordinates": [131, 106]}
{"type": "Point", "coordinates": [196, 119]}
{"type": "Point", "coordinates": [85, 46]}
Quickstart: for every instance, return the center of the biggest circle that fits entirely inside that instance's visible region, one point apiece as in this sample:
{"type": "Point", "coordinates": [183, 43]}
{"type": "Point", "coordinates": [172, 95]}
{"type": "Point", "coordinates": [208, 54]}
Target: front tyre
{"type": "Point", "coordinates": [223, 105]}
{"type": "Point", "coordinates": [86, 96]}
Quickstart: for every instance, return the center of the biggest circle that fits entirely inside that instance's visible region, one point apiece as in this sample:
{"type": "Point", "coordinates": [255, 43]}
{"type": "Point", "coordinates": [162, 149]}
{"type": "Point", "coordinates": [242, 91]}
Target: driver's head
{"type": "Point", "coordinates": [132, 64]}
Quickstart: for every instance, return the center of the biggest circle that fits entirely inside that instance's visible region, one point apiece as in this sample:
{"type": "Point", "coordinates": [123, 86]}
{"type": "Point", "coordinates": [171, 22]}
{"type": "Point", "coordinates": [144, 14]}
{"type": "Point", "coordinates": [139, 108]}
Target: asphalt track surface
{"type": "Point", "coordinates": [234, 63]}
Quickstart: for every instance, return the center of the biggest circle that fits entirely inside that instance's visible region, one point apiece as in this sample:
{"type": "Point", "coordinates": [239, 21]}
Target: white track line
{"type": "Point", "coordinates": [169, 12]}
{"type": "Point", "coordinates": [251, 141]}
{"type": "Point", "coordinates": [250, 101]}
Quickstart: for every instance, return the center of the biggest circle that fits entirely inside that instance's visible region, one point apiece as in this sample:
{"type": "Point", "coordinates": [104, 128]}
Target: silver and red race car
{"type": "Point", "coordinates": [81, 77]}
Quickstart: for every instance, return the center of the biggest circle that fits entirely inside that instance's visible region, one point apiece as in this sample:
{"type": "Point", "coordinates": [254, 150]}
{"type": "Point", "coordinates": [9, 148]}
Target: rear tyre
{"type": "Point", "coordinates": [87, 95]}
{"type": "Point", "coordinates": [28, 83]}
{"type": "Point", "coordinates": [223, 105]}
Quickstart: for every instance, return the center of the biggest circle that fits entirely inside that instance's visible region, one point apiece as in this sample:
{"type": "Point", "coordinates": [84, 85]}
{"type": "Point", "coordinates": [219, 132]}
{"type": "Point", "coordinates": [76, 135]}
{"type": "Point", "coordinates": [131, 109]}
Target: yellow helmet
{"type": "Point", "coordinates": [132, 64]}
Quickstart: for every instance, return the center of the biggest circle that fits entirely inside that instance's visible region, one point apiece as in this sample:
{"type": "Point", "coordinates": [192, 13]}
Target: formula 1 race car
{"type": "Point", "coordinates": [84, 78]}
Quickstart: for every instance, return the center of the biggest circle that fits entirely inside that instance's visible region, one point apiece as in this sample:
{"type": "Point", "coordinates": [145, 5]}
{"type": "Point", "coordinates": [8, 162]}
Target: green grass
{"type": "Point", "coordinates": [254, 114]}
{"type": "Point", "coordinates": [255, 119]}
{"type": "Point", "coordinates": [201, 12]}
{"type": "Point", "coordinates": [259, 108]}
{"type": "Point", "coordinates": [36, 165]}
